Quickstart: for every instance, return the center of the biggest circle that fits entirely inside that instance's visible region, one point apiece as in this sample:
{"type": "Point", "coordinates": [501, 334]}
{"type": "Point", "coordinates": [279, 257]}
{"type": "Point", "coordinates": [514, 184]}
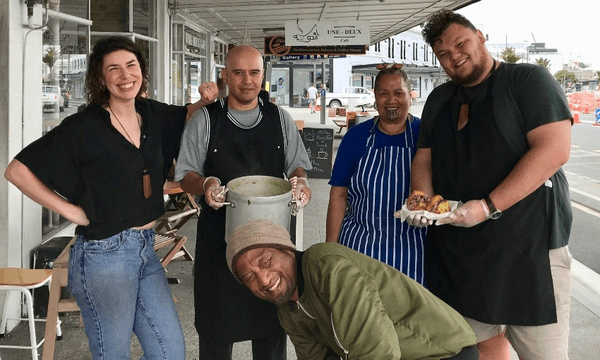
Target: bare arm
{"type": "Point", "coordinates": [303, 192]}
{"type": "Point", "coordinates": [204, 185]}
{"type": "Point", "coordinates": [421, 174]}
{"type": "Point", "coordinates": [549, 149]}
{"type": "Point", "coordinates": [26, 181]}
{"type": "Point", "coordinates": [208, 94]}
{"type": "Point", "coordinates": [193, 183]}
{"type": "Point", "coordinates": [338, 200]}
{"type": "Point", "coordinates": [299, 172]}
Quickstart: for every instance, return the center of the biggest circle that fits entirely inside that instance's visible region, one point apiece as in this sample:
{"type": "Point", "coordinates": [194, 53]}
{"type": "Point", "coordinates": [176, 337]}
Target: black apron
{"type": "Point", "coordinates": [226, 311]}
{"type": "Point", "coordinates": [497, 272]}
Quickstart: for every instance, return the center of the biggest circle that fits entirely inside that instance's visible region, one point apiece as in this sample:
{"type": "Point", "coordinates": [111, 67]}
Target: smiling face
{"type": "Point", "coordinates": [462, 53]}
{"type": "Point", "coordinates": [270, 273]}
{"type": "Point", "coordinates": [122, 75]}
{"type": "Point", "coordinates": [243, 74]}
{"type": "Point", "coordinates": [392, 98]}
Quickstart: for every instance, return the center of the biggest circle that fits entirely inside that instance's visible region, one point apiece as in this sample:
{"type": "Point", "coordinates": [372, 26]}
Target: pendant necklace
{"type": "Point", "coordinates": [463, 114]}
{"type": "Point", "coordinates": [146, 183]}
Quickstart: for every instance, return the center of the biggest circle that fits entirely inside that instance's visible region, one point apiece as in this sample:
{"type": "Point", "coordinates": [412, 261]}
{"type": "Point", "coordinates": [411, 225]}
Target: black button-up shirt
{"type": "Point", "coordinates": [87, 161]}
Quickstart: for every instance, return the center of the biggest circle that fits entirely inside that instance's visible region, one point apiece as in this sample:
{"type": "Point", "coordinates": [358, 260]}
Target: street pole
{"type": "Point", "coordinates": [323, 93]}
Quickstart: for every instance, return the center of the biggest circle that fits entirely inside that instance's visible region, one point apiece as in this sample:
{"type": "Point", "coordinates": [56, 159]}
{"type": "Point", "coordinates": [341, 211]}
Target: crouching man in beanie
{"type": "Point", "coordinates": [335, 302]}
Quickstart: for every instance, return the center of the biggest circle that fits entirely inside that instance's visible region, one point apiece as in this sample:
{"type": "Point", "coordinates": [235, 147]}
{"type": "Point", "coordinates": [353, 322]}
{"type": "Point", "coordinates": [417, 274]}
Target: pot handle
{"type": "Point", "coordinates": [295, 204]}
{"type": "Point", "coordinates": [224, 191]}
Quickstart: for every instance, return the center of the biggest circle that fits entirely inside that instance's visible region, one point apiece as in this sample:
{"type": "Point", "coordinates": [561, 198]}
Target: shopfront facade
{"type": "Point", "coordinates": [290, 80]}
{"type": "Point", "coordinates": [48, 47]}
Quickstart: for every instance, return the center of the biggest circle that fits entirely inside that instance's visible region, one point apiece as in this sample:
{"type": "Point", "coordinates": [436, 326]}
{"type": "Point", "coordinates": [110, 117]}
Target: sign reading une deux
{"type": "Point", "coordinates": [319, 33]}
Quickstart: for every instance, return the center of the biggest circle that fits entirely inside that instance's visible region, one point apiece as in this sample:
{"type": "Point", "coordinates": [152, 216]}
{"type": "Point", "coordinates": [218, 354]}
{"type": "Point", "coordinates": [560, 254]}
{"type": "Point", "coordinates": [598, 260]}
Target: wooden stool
{"type": "Point", "coordinates": [177, 250]}
{"type": "Point", "coordinates": [55, 303]}
{"type": "Point", "coordinates": [16, 279]}
{"type": "Point", "coordinates": [167, 226]}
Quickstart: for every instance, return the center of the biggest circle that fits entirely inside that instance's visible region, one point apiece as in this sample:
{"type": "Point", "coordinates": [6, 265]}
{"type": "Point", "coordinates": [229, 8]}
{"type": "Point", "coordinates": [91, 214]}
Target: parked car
{"type": "Point", "coordinates": [52, 98]}
{"type": "Point", "coordinates": [362, 96]}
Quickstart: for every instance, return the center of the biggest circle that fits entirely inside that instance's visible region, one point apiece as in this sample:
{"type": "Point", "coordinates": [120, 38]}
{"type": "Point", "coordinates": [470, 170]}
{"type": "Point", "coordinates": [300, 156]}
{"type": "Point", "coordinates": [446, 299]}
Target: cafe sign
{"type": "Point", "coordinates": [277, 46]}
{"type": "Point", "coordinates": [326, 33]}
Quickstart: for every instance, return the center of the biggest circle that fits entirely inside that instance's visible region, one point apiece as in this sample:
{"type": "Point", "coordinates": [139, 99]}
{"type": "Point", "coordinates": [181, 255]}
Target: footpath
{"type": "Point", "coordinates": [584, 340]}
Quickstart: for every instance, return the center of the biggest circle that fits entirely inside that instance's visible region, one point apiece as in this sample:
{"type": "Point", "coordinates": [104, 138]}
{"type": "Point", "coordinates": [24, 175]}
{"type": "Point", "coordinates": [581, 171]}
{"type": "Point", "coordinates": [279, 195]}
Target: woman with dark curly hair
{"type": "Point", "coordinates": [104, 169]}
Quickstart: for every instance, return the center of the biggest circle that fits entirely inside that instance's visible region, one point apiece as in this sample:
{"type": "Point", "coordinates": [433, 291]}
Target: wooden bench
{"type": "Point", "coordinates": [341, 123]}
{"type": "Point", "coordinates": [177, 250]}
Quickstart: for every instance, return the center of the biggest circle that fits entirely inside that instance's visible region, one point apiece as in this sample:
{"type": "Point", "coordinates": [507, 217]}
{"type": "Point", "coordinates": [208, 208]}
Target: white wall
{"type": "Point", "coordinates": [20, 218]}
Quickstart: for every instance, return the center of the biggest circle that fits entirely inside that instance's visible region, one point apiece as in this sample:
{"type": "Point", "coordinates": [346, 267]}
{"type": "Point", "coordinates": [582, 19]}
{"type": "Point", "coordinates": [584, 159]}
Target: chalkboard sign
{"type": "Point", "coordinates": [319, 146]}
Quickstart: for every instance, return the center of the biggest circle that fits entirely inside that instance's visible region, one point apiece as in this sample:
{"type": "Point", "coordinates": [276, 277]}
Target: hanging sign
{"type": "Point", "coordinates": [276, 45]}
{"type": "Point", "coordinates": [318, 33]}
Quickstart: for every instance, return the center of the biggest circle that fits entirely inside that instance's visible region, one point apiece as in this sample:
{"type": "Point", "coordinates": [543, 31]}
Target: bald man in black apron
{"type": "Point", "coordinates": [237, 136]}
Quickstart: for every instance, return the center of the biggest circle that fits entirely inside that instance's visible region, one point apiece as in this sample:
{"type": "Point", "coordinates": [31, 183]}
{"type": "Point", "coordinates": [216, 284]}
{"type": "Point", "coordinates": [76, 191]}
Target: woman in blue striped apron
{"type": "Point", "coordinates": [371, 180]}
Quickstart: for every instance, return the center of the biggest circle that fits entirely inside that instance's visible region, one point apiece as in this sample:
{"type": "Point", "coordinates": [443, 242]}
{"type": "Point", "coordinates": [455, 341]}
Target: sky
{"type": "Point", "coordinates": [570, 26]}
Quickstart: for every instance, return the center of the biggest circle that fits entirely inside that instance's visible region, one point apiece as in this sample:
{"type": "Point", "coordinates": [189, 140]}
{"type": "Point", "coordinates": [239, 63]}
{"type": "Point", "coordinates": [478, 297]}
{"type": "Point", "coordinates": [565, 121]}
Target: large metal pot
{"type": "Point", "coordinates": [258, 197]}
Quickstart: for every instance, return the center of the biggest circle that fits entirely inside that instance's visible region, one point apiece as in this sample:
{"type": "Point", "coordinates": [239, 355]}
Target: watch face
{"type": "Point", "coordinates": [496, 214]}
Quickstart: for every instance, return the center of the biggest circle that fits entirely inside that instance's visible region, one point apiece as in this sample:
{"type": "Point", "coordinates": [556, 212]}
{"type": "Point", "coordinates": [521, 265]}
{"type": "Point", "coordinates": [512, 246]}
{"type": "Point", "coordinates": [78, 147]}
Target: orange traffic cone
{"type": "Point", "coordinates": [576, 118]}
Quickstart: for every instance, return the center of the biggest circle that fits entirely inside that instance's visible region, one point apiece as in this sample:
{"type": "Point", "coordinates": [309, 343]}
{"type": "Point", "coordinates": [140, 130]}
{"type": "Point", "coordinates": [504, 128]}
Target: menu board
{"type": "Point", "coordinates": [319, 146]}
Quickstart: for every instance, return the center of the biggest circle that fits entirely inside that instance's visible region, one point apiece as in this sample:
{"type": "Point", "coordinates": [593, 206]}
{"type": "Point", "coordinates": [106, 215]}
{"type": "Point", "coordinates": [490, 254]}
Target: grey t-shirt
{"type": "Point", "coordinates": [196, 136]}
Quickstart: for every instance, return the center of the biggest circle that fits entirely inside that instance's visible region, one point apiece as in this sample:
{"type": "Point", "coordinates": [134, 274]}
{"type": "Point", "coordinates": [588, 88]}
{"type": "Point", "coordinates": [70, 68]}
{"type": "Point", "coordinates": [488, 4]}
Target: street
{"type": "Point", "coordinates": [583, 172]}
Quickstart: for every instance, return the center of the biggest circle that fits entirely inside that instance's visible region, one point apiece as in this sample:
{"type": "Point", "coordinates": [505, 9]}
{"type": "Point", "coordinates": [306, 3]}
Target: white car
{"type": "Point", "coordinates": [360, 97]}
{"type": "Point", "coordinates": [52, 98]}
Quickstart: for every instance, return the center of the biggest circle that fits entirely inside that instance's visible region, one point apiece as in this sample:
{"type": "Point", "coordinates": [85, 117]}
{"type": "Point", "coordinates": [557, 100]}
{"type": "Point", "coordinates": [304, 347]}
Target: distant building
{"type": "Point", "coordinates": [407, 48]}
{"type": "Point", "coordinates": [529, 53]}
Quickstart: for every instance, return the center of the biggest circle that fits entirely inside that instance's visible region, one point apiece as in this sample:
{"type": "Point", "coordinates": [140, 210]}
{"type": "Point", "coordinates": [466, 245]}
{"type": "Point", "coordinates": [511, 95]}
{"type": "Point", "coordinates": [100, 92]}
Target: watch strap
{"type": "Point", "coordinates": [490, 204]}
{"type": "Point", "coordinates": [494, 212]}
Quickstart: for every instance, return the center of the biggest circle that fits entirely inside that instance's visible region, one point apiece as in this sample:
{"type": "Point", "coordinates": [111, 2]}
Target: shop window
{"type": "Point", "coordinates": [219, 52]}
{"type": "Point", "coordinates": [64, 61]}
{"type": "Point", "coordinates": [144, 17]}
{"type": "Point", "coordinates": [188, 63]}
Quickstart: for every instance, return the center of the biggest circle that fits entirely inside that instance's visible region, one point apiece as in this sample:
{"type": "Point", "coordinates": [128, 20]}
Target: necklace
{"type": "Point", "coordinates": [463, 114]}
{"type": "Point", "coordinates": [146, 182]}
{"type": "Point", "coordinates": [123, 127]}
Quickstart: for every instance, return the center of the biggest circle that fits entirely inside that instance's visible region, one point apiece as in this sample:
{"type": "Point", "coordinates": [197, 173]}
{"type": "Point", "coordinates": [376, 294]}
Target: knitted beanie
{"type": "Point", "coordinates": [253, 234]}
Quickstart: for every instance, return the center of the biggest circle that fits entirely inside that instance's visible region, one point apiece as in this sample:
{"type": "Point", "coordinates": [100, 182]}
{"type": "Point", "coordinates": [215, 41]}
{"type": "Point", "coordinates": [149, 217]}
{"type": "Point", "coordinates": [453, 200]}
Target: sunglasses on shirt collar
{"type": "Point", "coordinates": [386, 65]}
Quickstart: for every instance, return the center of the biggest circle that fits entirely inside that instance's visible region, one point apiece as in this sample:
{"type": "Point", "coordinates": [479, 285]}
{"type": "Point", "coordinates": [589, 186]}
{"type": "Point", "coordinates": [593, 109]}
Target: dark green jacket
{"type": "Point", "coordinates": [360, 308]}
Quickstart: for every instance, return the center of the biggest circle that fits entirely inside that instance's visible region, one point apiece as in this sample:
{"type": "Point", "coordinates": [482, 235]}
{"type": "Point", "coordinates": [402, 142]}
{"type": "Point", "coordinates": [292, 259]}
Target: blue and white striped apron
{"type": "Point", "coordinates": [377, 189]}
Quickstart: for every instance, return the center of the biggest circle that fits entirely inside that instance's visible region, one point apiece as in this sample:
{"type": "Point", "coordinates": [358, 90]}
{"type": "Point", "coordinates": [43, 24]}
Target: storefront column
{"type": "Point", "coordinates": [291, 88]}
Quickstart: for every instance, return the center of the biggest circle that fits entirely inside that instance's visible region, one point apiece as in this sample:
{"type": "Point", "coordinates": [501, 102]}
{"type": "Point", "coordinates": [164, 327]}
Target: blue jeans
{"type": "Point", "coordinates": [121, 287]}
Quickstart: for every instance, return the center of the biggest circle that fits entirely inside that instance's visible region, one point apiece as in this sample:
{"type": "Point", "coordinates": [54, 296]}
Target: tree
{"type": "Point", "coordinates": [509, 55]}
{"type": "Point", "coordinates": [50, 59]}
{"type": "Point", "coordinates": [564, 76]}
{"type": "Point", "coordinates": [543, 62]}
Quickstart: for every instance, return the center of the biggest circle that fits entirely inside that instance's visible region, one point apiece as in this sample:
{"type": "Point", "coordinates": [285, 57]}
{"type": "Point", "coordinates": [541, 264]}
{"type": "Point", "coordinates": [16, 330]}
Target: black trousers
{"type": "Point", "coordinates": [271, 348]}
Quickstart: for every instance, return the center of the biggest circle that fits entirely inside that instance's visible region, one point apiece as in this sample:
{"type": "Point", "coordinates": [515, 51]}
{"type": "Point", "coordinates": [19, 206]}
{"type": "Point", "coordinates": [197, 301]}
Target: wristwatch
{"type": "Point", "coordinates": [494, 213]}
